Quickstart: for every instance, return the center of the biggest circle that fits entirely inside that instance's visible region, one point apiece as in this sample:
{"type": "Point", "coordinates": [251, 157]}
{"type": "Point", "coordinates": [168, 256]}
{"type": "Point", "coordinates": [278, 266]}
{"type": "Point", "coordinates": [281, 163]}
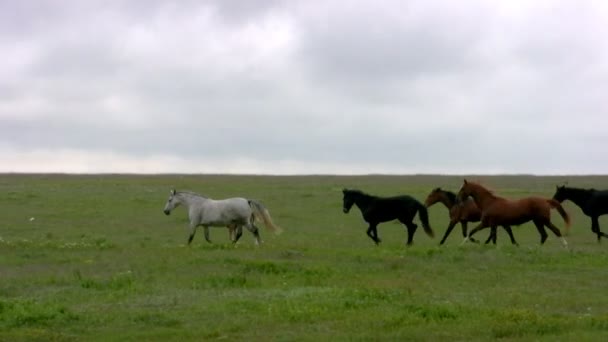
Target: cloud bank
{"type": "Point", "coordinates": [292, 87]}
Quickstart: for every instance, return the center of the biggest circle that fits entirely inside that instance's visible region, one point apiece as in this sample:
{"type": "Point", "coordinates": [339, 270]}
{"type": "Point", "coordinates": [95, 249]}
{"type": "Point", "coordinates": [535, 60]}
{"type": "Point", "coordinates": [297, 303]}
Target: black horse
{"type": "Point", "coordinates": [376, 210]}
{"type": "Point", "coordinates": [594, 203]}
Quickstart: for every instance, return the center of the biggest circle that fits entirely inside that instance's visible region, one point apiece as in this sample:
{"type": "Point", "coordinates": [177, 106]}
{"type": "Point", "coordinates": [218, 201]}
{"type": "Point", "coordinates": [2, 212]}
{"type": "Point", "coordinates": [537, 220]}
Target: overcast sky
{"type": "Point", "coordinates": [304, 87]}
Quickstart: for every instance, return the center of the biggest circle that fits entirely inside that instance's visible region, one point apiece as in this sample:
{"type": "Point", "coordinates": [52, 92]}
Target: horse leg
{"type": "Point", "coordinates": [492, 236]}
{"type": "Point", "coordinates": [465, 226]}
{"type": "Point", "coordinates": [255, 231]}
{"type": "Point", "coordinates": [369, 233]}
{"type": "Point", "coordinates": [510, 232]}
{"type": "Point", "coordinates": [411, 229]}
{"type": "Point", "coordinates": [599, 231]}
{"type": "Point", "coordinates": [376, 234]}
{"type": "Point", "coordinates": [479, 227]}
{"type": "Point", "coordinates": [206, 231]}
{"type": "Point", "coordinates": [237, 233]}
{"type": "Point", "coordinates": [372, 232]}
{"type": "Point", "coordinates": [557, 232]}
{"type": "Point", "coordinates": [541, 230]}
{"type": "Point", "coordinates": [230, 232]}
{"type": "Point", "coordinates": [192, 232]}
{"type": "Point", "coordinates": [595, 227]}
{"type": "Point", "coordinates": [449, 230]}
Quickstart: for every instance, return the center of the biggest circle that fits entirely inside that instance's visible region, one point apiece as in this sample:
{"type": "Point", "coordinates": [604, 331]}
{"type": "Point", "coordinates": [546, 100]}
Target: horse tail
{"type": "Point", "coordinates": [262, 214]}
{"type": "Point", "coordinates": [564, 214]}
{"type": "Point", "coordinates": [424, 217]}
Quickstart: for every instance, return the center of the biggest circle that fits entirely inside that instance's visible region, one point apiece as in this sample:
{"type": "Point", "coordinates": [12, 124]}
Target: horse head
{"type": "Point", "coordinates": [433, 197]}
{"type": "Point", "coordinates": [561, 192]}
{"type": "Point", "coordinates": [172, 202]}
{"type": "Point", "coordinates": [464, 192]}
{"type": "Point", "coordinates": [347, 200]}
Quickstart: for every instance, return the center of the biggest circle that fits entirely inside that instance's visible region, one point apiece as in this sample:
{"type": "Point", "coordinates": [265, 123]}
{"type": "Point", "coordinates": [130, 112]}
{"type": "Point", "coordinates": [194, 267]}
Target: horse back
{"type": "Point", "coordinates": [598, 203]}
{"type": "Point", "coordinates": [518, 211]}
{"type": "Point", "coordinates": [383, 209]}
{"type": "Point", "coordinates": [225, 211]}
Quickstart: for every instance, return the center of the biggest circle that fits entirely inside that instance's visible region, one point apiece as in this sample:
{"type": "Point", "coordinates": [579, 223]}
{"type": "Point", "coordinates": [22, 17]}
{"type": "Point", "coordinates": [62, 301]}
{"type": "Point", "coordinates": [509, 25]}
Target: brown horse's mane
{"type": "Point", "coordinates": [479, 185]}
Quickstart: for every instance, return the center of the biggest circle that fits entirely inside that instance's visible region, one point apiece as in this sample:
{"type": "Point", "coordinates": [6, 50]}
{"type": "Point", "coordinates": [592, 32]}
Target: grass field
{"type": "Point", "coordinates": [101, 262]}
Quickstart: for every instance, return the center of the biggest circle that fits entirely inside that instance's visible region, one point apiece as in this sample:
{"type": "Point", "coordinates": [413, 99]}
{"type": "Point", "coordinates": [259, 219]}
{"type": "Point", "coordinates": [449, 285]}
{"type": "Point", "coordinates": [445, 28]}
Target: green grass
{"type": "Point", "coordinates": [101, 262]}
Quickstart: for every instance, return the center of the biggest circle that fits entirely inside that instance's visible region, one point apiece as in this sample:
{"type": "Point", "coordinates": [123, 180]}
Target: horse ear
{"type": "Point", "coordinates": [465, 181]}
{"type": "Point", "coordinates": [172, 191]}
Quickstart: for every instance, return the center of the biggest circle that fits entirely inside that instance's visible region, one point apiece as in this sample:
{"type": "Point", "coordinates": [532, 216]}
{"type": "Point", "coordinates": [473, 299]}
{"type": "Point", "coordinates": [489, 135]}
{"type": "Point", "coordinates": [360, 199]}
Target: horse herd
{"type": "Point", "coordinates": [473, 203]}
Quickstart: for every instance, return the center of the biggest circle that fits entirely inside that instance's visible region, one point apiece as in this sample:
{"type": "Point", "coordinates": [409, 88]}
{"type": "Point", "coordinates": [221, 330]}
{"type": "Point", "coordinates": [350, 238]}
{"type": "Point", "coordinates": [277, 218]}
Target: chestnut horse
{"type": "Point", "coordinates": [499, 211]}
{"type": "Point", "coordinates": [463, 212]}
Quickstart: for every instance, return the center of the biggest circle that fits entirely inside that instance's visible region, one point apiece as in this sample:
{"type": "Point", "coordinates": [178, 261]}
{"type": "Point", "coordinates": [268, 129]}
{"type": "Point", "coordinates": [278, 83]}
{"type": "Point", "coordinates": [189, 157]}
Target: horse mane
{"type": "Point", "coordinates": [451, 196]}
{"type": "Point", "coordinates": [584, 189]}
{"type": "Point", "coordinates": [579, 190]}
{"type": "Point", "coordinates": [483, 187]}
{"type": "Point", "coordinates": [191, 193]}
{"type": "Point", "coordinates": [356, 192]}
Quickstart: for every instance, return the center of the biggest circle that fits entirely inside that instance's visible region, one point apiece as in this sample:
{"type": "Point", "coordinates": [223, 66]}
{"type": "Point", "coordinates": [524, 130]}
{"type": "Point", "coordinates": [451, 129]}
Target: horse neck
{"type": "Point", "coordinates": [188, 199]}
{"type": "Point", "coordinates": [448, 199]}
{"type": "Point", "coordinates": [578, 196]}
{"type": "Point", "coordinates": [482, 197]}
{"type": "Point", "coordinates": [362, 200]}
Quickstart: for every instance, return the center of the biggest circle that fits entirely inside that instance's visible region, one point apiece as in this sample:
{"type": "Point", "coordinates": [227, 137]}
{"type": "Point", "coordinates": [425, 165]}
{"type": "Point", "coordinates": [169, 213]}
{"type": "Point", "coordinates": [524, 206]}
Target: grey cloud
{"type": "Point", "coordinates": [422, 84]}
{"type": "Point", "coordinates": [353, 50]}
{"type": "Point", "coordinates": [237, 12]}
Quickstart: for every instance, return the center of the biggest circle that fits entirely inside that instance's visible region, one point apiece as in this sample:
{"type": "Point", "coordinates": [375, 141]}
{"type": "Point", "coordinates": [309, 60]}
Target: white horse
{"type": "Point", "coordinates": [233, 213]}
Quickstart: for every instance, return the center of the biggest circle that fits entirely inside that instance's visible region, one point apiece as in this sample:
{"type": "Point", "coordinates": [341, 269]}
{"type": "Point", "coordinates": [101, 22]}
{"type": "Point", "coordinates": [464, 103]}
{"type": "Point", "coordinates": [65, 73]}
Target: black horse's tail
{"type": "Point", "coordinates": [424, 217]}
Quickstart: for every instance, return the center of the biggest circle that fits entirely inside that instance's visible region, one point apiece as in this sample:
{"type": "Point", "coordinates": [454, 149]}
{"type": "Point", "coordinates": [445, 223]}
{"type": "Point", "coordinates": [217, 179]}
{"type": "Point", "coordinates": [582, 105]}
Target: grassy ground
{"type": "Point", "coordinates": [100, 261]}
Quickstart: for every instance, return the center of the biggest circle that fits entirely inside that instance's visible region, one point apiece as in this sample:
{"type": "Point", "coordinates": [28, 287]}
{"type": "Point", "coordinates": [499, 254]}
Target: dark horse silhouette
{"type": "Point", "coordinates": [462, 212]}
{"type": "Point", "coordinates": [594, 203]}
{"type": "Point", "coordinates": [499, 211]}
{"type": "Point", "coordinates": [376, 210]}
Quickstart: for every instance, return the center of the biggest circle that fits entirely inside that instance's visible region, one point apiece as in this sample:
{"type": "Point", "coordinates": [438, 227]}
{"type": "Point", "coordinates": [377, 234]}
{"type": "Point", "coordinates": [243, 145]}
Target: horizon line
{"type": "Point", "coordinates": [473, 174]}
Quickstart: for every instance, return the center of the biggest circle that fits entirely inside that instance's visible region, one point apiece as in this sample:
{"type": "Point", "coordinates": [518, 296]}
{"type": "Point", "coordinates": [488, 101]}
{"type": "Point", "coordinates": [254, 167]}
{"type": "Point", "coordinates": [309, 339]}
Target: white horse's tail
{"type": "Point", "coordinates": [262, 214]}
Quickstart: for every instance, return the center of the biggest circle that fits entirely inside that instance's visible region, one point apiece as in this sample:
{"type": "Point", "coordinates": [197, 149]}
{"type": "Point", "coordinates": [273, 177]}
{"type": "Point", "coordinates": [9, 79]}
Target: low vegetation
{"type": "Point", "coordinates": [94, 258]}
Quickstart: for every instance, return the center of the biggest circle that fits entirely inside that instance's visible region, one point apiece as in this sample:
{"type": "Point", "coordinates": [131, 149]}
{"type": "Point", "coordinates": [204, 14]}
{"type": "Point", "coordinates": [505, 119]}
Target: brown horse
{"type": "Point", "coordinates": [463, 212]}
{"type": "Point", "coordinates": [499, 211]}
